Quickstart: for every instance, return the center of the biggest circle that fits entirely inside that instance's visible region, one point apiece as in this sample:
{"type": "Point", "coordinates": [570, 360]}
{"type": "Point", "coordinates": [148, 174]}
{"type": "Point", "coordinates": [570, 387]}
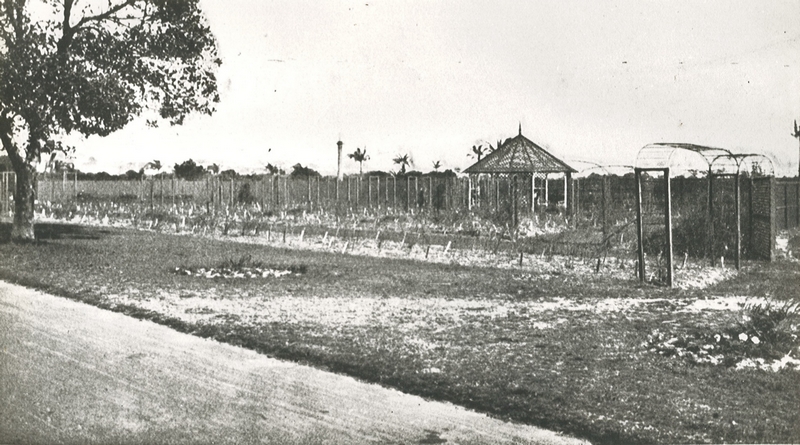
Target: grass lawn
{"type": "Point", "coordinates": [565, 352]}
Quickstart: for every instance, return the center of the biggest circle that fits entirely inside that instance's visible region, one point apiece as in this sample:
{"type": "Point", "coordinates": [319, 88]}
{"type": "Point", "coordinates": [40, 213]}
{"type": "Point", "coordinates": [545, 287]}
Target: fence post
{"type": "Point", "coordinates": [773, 220]}
{"type": "Point", "coordinates": [668, 227]}
{"type": "Point", "coordinates": [786, 205]}
{"type": "Point", "coordinates": [416, 190]}
{"type": "Point", "coordinates": [308, 185]}
{"type": "Point", "coordinates": [738, 221]}
{"type": "Point", "coordinates": [408, 193]}
{"type": "Point", "coordinates": [605, 195]}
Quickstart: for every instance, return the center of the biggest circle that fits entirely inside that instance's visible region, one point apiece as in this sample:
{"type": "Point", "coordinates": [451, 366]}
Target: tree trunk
{"type": "Point", "coordinates": [24, 199]}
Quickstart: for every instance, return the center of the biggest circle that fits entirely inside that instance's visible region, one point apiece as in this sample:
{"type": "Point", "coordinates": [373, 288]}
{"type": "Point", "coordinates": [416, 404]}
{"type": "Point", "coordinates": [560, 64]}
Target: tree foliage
{"type": "Point", "coordinates": [91, 67]}
{"type": "Point", "coordinates": [403, 161]}
{"type": "Point", "coordinates": [359, 156]}
{"type": "Point", "coordinates": [189, 170]}
{"type": "Point", "coordinates": [299, 171]}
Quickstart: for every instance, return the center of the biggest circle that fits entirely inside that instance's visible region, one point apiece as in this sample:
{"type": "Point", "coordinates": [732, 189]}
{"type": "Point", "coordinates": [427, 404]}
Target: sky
{"type": "Point", "coordinates": [588, 80]}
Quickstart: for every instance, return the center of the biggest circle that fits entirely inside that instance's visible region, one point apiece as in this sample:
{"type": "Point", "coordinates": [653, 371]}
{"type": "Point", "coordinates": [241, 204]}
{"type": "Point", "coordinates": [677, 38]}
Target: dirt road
{"type": "Point", "coordinates": [72, 373]}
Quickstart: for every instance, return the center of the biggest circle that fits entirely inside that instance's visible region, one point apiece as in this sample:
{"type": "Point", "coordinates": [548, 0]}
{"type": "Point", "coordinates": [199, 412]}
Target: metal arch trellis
{"type": "Point", "coordinates": [604, 190]}
{"type": "Point", "coordinates": [658, 157]}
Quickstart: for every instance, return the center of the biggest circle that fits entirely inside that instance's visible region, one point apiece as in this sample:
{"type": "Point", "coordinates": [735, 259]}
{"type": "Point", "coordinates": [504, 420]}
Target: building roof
{"type": "Point", "coordinates": [520, 155]}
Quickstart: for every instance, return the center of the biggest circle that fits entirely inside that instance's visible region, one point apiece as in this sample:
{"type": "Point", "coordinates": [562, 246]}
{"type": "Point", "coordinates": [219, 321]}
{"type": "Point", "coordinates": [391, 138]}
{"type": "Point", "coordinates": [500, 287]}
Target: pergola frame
{"type": "Point", "coordinates": [658, 157]}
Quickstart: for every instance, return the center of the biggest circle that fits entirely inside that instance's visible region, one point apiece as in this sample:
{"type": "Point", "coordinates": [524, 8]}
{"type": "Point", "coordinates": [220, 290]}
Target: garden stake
{"type": "Point", "coordinates": [284, 234]}
{"type": "Point", "coordinates": [344, 249]}
{"type": "Point", "coordinates": [427, 250]}
{"type": "Point", "coordinates": [302, 234]}
{"type": "Point", "coordinates": [520, 258]}
{"type": "Point", "coordinates": [447, 248]}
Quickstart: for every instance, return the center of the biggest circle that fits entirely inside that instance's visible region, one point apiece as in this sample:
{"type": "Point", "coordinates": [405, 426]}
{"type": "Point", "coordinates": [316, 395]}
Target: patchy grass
{"type": "Point", "coordinates": [557, 350]}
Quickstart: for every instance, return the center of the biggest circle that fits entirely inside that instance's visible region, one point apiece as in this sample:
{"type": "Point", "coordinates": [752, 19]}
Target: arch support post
{"type": "Point", "coordinates": [639, 231]}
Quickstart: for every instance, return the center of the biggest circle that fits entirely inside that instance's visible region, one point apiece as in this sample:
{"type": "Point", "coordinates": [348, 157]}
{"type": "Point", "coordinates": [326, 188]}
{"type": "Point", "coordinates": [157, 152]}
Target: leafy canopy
{"type": "Point", "coordinates": [91, 66]}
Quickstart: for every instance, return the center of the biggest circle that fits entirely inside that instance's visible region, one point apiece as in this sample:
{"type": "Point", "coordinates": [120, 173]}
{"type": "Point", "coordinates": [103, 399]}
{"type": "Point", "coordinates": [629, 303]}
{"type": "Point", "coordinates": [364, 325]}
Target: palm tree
{"type": "Point", "coordinates": [359, 156]}
{"type": "Point", "coordinates": [154, 165]}
{"type": "Point", "coordinates": [403, 161]}
{"type": "Point", "coordinates": [437, 165]}
{"type": "Point", "coordinates": [478, 151]}
{"type": "Point", "coordinates": [213, 169]}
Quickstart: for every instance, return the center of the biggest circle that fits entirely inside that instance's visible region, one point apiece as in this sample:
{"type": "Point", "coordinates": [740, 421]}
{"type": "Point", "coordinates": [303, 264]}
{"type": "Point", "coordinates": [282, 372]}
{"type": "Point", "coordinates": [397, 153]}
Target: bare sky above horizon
{"type": "Point", "coordinates": [587, 80]}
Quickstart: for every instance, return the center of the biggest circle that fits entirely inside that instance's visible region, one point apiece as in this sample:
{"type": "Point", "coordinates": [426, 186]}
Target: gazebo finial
{"type": "Point", "coordinates": [520, 128]}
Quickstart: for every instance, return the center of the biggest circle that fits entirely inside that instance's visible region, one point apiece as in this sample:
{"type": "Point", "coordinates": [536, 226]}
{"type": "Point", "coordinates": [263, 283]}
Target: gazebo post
{"type": "Point", "coordinates": [469, 192]}
{"type": "Point", "coordinates": [546, 191]}
{"type": "Point", "coordinates": [533, 192]}
{"type": "Point", "coordinates": [514, 209]}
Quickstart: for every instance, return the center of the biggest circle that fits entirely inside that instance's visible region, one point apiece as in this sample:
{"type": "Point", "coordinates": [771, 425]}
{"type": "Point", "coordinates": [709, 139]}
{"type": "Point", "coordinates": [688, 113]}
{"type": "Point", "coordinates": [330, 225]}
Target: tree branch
{"type": "Point", "coordinates": [105, 15]}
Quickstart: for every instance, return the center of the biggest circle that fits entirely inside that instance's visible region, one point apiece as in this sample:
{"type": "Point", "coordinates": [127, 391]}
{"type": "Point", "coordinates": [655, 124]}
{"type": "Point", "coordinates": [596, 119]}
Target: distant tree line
{"type": "Point", "coordinates": [191, 170]}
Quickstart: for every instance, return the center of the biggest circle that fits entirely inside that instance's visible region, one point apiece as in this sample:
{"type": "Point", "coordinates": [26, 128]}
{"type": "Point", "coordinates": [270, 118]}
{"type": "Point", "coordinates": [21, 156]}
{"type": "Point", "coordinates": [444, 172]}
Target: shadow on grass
{"type": "Point", "coordinates": [51, 231]}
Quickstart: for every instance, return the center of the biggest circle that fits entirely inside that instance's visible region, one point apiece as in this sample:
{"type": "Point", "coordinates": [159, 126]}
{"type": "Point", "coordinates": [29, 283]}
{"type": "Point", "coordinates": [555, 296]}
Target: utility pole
{"type": "Point", "coordinates": [796, 134]}
{"type": "Point", "coordinates": [339, 161]}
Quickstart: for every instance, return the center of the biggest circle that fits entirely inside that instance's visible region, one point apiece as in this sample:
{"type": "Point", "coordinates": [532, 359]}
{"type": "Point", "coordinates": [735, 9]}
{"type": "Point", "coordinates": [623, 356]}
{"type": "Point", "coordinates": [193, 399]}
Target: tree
{"type": "Point", "coordinates": [274, 170]}
{"type": "Point", "coordinates": [359, 156]}
{"type": "Point", "coordinates": [437, 165]}
{"type": "Point", "coordinates": [403, 161]}
{"type": "Point", "coordinates": [189, 170]}
{"type": "Point", "coordinates": [229, 174]}
{"type": "Point", "coordinates": [299, 171]}
{"type": "Point", "coordinates": [478, 151]}
{"type": "Point", "coordinates": [91, 69]}
{"type": "Point", "coordinates": [154, 165]}
{"type": "Point", "coordinates": [213, 169]}
{"type": "Point", "coordinates": [134, 175]}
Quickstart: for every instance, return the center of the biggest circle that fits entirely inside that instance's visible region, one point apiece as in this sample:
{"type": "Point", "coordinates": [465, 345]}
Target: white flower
{"type": "Point", "coordinates": [755, 340]}
{"type": "Point", "coordinates": [717, 338]}
{"type": "Point", "coordinates": [743, 336]}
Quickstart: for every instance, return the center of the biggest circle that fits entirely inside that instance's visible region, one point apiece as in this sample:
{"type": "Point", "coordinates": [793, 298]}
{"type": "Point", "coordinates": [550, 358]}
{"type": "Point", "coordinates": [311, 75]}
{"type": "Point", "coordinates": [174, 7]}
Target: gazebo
{"type": "Point", "coordinates": [520, 160]}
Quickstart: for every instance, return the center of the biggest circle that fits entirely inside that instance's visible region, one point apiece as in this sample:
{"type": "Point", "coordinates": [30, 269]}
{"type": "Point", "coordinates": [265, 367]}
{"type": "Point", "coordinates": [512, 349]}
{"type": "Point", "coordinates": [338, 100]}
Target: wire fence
{"type": "Point", "coordinates": [603, 203]}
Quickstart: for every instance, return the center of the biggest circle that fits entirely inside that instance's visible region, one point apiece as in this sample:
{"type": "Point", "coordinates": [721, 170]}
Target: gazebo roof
{"type": "Point", "coordinates": [520, 155]}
